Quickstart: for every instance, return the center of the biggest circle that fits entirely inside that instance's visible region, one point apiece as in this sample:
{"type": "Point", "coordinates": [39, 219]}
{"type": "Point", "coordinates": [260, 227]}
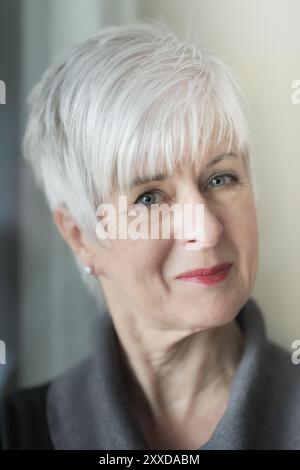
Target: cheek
{"type": "Point", "coordinates": [137, 260]}
{"type": "Point", "coordinates": [250, 228]}
{"type": "Point", "coordinates": [244, 230]}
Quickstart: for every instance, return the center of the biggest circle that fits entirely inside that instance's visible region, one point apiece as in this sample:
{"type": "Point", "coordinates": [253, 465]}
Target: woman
{"type": "Point", "coordinates": [183, 359]}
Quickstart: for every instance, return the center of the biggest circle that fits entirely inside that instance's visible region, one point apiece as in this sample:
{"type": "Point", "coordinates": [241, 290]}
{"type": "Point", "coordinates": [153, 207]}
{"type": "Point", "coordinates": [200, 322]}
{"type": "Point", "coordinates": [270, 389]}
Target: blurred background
{"type": "Point", "coordinates": [47, 317]}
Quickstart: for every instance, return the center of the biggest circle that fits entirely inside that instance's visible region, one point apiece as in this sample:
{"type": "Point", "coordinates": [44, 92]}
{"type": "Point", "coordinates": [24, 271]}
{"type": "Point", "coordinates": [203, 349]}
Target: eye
{"type": "Point", "coordinates": [148, 198]}
{"type": "Point", "coordinates": [218, 180]}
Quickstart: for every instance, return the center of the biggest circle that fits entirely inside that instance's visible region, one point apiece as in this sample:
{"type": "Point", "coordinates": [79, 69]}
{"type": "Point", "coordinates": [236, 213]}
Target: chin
{"type": "Point", "coordinates": [212, 314]}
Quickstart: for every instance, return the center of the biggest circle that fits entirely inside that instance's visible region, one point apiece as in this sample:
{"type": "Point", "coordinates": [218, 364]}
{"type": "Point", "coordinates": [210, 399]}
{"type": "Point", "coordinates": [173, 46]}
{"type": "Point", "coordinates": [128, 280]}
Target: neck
{"type": "Point", "coordinates": [170, 374]}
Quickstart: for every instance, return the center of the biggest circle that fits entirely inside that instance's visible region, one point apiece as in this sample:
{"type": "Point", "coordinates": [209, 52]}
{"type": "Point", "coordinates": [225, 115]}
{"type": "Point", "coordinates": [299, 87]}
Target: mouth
{"type": "Point", "coordinates": [208, 276]}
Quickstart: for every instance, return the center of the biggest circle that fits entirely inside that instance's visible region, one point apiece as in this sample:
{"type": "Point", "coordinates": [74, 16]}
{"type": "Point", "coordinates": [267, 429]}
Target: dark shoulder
{"type": "Point", "coordinates": [24, 420]}
{"type": "Point", "coordinates": [281, 367]}
{"type": "Point", "coordinates": [283, 402]}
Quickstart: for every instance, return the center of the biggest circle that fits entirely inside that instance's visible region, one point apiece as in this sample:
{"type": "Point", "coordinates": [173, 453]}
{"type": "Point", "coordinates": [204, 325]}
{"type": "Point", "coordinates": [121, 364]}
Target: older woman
{"type": "Point", "coordinates": [183, 360]}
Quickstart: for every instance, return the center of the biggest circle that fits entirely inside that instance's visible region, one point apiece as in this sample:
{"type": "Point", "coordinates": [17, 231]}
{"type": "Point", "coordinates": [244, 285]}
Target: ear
{"type": "Point", "coordinates": [72, 234]}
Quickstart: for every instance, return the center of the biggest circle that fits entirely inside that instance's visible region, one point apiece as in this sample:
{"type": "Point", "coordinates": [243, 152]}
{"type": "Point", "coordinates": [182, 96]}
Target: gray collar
{"type": "Point", "coordinates": [87, 406]}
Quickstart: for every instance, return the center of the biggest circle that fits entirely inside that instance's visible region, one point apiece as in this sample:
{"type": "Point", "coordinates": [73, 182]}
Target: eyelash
{"type": "Point", "coordinates": [234, 179]}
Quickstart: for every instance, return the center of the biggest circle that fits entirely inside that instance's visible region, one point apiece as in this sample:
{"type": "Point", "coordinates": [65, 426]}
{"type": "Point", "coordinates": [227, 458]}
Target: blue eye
{"type": "Point", "coordinates": [218, 180]}
{"type": "Point", "coordinates": [148, 198]}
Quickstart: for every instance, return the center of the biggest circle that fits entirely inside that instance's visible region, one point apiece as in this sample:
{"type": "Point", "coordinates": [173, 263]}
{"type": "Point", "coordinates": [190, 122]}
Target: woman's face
{"type": "Point", "coordinates": [138, 276]}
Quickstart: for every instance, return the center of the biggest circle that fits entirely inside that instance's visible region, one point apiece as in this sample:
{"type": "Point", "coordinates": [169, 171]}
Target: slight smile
{"type": "Point", "coordinates": [208, 276]}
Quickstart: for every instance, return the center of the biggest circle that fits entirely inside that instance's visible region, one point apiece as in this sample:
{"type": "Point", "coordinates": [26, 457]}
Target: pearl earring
{"type": "Point", "coordinates": [88, 269]}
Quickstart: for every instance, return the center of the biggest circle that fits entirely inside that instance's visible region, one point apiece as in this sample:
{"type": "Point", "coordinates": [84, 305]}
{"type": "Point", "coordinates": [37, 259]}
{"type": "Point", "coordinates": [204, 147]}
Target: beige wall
{"type": "Point", "coordinates": [261, 40]}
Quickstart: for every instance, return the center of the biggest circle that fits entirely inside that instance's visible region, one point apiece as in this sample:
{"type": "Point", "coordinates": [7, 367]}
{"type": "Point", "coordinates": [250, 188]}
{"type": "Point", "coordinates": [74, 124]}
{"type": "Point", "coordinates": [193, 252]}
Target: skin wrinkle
{"type": "Point", "coordinates": [136, 99]}
{"type": "Point", "coordinates": [151, 420]}
{"type": "Point", "coordinates": [155, 377]}
{"type": "Point", "coordinates": [179, 345]}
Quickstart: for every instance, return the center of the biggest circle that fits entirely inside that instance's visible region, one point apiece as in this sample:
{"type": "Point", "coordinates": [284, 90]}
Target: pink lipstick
{"type": "Point", "coordinates": [207, 276]}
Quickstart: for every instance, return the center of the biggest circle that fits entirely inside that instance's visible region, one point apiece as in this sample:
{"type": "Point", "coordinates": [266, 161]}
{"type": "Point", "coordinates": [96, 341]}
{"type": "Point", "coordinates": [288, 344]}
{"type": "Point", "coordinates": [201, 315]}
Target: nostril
{"type": "Point", "coordinates": [194, 245]}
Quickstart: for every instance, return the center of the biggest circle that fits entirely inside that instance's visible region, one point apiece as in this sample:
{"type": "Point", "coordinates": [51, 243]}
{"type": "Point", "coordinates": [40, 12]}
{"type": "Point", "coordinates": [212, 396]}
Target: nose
{"type": "Point", "coordinates": [201, 228]}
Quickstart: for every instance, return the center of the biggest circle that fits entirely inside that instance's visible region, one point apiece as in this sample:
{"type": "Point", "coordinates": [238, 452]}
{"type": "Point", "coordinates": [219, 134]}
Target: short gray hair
{"type": "Point", "coordinates": [129, 100]}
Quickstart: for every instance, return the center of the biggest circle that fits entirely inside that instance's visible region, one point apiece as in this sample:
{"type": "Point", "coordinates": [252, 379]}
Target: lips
{"type": "Point", "coordinates": [205, 272]}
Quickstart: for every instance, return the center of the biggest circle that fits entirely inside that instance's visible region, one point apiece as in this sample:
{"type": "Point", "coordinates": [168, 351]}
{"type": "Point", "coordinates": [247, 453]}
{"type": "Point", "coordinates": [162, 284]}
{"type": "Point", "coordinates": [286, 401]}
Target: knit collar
{"type": "Point", "coordinates": [87, 406]}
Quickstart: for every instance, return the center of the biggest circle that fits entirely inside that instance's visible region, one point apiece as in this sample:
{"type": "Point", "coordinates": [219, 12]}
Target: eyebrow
{"type": "Point", "coordinates": [138, 181]}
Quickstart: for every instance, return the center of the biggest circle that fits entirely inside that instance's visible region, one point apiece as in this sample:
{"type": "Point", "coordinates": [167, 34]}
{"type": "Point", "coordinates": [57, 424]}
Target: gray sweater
{"type": "Point", "coordinates": [87, 406]}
